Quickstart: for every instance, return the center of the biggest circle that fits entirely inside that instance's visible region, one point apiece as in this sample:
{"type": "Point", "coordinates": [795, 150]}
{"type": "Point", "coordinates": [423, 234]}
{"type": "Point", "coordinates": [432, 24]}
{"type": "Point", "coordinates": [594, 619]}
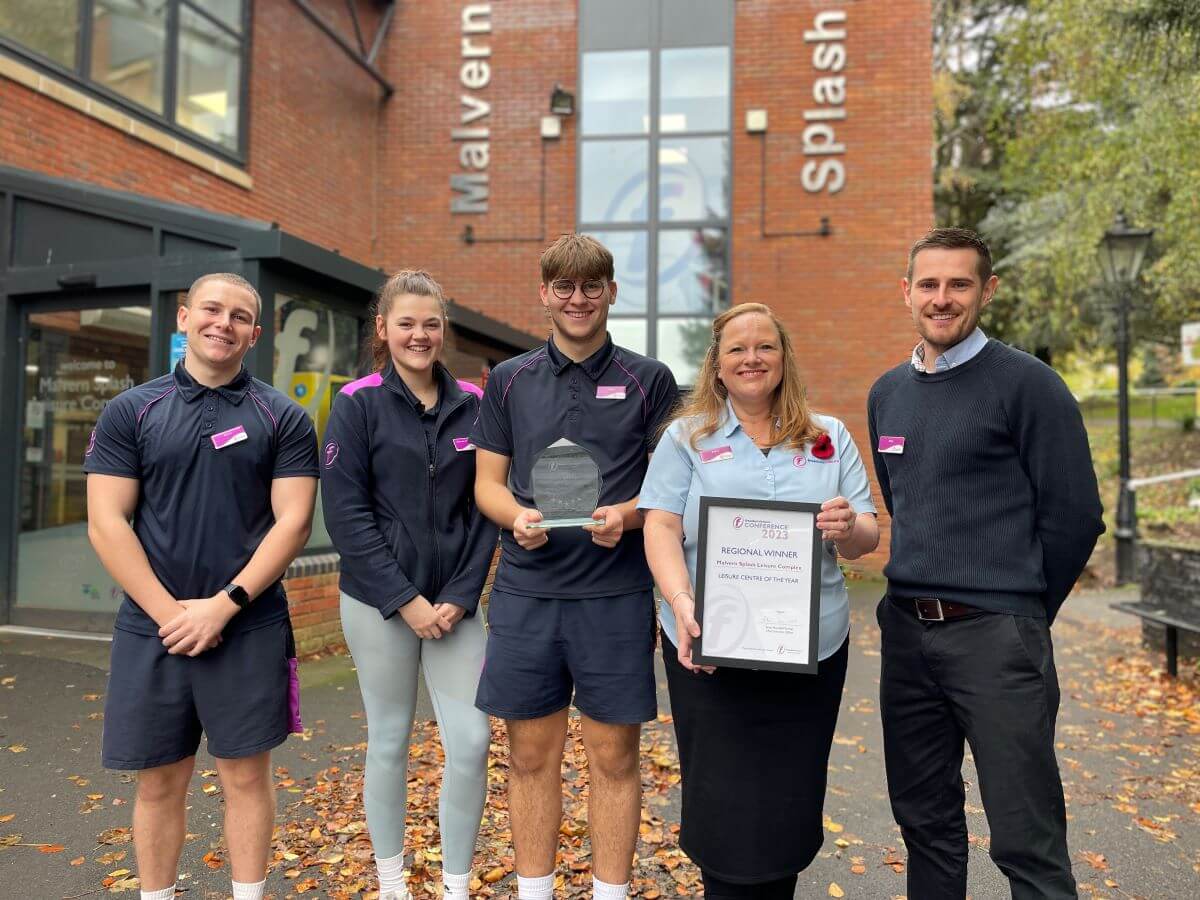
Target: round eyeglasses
{"type": "Point", "coordinates": [593, 288]}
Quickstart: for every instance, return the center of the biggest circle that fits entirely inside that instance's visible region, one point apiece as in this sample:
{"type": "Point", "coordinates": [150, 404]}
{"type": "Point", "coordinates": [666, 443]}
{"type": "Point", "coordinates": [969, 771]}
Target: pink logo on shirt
{"type": "Point", "coordinates": [610, 392]}
{"type": "Point", "coordinates": [331, 453]}
{"type": "Point", "coordinates": [463, 443]}
{"type": "Point", "coordinates": [91, 444]}
{"type": "Point", "coordinates": [890, 444]}
{"type": "Point", "coordinates": [799, 461]}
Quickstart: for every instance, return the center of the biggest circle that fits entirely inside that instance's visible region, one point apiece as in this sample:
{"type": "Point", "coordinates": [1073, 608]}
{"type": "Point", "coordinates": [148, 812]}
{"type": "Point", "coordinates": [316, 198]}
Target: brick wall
{"type": "Point", "coordinates": [314, 139]}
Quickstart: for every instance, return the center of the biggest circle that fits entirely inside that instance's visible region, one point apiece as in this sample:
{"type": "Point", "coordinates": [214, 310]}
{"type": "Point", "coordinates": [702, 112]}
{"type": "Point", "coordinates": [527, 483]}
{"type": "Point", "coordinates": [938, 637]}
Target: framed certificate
{"type": "Point", "coordinates": [758, 584]}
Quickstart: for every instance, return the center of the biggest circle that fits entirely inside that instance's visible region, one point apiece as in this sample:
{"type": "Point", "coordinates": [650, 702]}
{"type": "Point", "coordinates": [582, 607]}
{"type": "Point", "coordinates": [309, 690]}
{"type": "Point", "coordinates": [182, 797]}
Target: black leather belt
{"type": "Point", "coordinates": [933, 609]}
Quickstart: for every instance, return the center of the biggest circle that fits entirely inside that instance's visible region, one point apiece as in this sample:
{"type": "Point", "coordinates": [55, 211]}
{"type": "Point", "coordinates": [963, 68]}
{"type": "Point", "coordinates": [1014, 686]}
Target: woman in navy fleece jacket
{"type": "Point", "coordinates": [397, 480]}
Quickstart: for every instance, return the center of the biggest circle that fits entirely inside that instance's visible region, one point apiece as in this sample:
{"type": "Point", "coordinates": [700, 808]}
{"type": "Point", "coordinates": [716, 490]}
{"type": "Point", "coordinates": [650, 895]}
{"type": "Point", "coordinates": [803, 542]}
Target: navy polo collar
{"type": "Point", "coordinates": [594, 366]}
{"type": "Point", "coordinates": [190, 389]}
{"type": "Point", "coordinates": [448, 390]}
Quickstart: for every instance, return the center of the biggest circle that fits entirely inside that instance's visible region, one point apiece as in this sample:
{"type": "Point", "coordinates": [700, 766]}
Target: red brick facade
{"type": "Point", "coordinates": [336, 163]}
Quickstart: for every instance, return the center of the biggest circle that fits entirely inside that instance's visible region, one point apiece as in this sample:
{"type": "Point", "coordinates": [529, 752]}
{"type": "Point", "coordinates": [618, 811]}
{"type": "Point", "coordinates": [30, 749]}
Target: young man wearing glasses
{"type": "Point", "coordinates": [572, 609]}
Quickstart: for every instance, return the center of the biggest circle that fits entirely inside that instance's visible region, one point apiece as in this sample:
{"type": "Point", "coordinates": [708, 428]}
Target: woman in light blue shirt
{"type": "Point", "coordinates": [753, 744]}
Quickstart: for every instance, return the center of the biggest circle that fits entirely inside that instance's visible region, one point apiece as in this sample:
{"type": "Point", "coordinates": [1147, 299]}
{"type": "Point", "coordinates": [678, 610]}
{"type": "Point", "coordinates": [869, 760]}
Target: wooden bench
{"type": "Point", "coordinates": [1170, 623]}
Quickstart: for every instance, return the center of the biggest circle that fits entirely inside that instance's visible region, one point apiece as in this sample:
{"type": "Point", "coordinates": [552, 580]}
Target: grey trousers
{"type": "Point", "coordinates": [989, 680]}
{"type": "Point", "coordinates": [388, 654]}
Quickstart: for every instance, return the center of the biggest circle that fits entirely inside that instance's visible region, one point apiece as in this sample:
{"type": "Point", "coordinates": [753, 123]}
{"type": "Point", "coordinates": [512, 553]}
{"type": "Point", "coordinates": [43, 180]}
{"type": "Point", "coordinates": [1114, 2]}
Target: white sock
{"type": "Point", "coordinates": [603, 891]}
{"type": "Point", "coordinates": [535, 888]}
{"type": "Point", "coordinates": [456, 885]}
{"type": "Point", "coordinates": [164, 894]}
{"type": "Point", "coordinates": [391, 873]}
{"type": "Point", "coordinates": [244, 890]}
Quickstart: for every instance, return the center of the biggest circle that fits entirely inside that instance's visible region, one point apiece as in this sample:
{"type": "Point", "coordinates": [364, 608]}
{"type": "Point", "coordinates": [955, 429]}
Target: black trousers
{"type": "Point", "coordinates": [716, 889]}
{"type": "Point", "coordinates": [988, 679]}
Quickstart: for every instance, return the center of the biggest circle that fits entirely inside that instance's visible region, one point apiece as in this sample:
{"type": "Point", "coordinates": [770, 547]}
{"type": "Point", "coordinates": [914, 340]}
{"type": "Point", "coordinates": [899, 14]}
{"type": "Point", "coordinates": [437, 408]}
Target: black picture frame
{"type": "Point", "coordinates": [711, 504]}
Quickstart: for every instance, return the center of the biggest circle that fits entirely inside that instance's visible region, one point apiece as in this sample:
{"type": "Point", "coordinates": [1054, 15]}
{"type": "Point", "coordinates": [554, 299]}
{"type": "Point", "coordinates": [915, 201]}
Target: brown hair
{"type": "Point", "coordinates": [408, 281]}
{"type": "Point", "coordinates": [706, 403]}
{"type": "Point", "coordinates": [576, 256]}
{"type": "Point", "coordinates": [227, 278]}
{"type": "Point", "coordinates": [954, 239]}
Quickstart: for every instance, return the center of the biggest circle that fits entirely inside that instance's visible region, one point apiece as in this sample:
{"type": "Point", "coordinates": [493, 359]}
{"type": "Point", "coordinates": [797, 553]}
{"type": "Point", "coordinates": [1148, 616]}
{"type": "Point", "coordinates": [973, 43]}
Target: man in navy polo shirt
{"type": "Point", "coordinates": [572, 609]}
{"type": "Point", "coordinates": [201, 486]}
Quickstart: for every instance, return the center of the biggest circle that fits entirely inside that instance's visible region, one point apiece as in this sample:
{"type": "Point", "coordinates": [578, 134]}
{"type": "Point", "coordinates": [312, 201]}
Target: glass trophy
{"type": "Point", "coordinates": [566, 486]}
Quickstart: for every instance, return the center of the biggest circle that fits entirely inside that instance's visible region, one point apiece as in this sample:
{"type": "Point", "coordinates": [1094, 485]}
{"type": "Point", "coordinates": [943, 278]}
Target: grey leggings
{"type": "Point", "coordinates": [387, 654]}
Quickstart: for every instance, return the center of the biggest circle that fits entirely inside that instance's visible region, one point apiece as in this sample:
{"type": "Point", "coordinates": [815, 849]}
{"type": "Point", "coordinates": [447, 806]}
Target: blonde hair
{"type": "Point", "coordinates": [407, 281]}
{"type": "Point", "coordinates": [792, 422]}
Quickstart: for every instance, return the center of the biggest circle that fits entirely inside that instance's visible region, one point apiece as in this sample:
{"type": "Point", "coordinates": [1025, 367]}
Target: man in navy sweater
{"type": "Point", "coordinates": [983, 462]}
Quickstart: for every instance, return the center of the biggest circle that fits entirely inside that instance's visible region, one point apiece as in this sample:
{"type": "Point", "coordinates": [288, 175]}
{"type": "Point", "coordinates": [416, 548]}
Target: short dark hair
{"type": "Point", "coordinates": [954, 239]}
{"type": "Point", "coordinates": [227, 278]}
{"type": "Point", "coordinates": [576, 256]}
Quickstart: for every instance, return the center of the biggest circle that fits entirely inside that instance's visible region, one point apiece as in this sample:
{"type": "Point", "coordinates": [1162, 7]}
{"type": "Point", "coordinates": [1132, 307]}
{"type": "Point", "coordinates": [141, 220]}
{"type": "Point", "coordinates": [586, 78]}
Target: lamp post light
{"type": "Point", "coordinates": [1121, 253]}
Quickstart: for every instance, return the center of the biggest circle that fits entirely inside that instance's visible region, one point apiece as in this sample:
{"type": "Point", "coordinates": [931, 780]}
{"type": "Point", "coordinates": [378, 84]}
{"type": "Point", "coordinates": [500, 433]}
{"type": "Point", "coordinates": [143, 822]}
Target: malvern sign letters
{"type": "Point", "coordinates": [469, 188]}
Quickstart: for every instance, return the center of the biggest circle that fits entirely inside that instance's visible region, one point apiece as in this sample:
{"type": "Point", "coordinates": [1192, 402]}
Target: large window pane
{"type": "Point", "coordinates": [229, 12]}
{"type": "Point", "coordinates": [76, 360]}
{"type": "Point", "coordinates": [682, 344]}
{"type": "Point", "coordinates": [695, 89]}
{"type": "Point", "coordinates": [692, 270]}
{"type": "Point", "coordinates": [129, 39]}
{"type": "Point", "coordinates": [616, 92]}
{"type": "Point", "coordinates": [209, 79]}
{"type": "Point", "coordinates": [693, 175]}
{"type": "Point", "coordinates": [47, 27]}
{"type": "Point", "coordinates": [629, 333]}
{"type": "Point", "coordinates": [316, 352]}
{"type": "Point", "coordinates": [613, 181]}
{"type": "Point", "coordinates": [631, 264]}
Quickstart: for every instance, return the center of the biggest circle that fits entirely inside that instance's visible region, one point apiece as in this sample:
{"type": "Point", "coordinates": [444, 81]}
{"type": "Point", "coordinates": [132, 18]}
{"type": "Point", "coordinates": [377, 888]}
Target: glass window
{"type": "Point", "coordinates": [628, 333]}
{"type": "Point", "coordinates": [316, 352]}
{"type": "Point", "coordinates": [613, 181]}
{"type": "Point", "coordinates": [631, 257]}
{"type": "Point", "coordinates": [693, 178]}
{"type": "Point", "coordinates": [695, 89]}
{"type": "Point", "coordinates": [129, 45]}
{"type": "Point", "coordinates": [209, 79]}
{"type": "Point", "coordinates": [692, 270]}
{"type": "Point", "coordinates": [48, 27]}
{"type": "Point", "coordinates": [682, 344]}
{"type": "Point", "coordinates": [198, 88]}
{"type": "Point", "coordinates": [618, 95]}
{"type": "Point", "coordinates": [76, 360]}
{"type": "Point", "coordinates": [229, 12]}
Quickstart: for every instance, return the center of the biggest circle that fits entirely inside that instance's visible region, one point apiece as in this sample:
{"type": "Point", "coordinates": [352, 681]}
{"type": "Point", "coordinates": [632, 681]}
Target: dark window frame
{"type": "Point", "coordinates": [78, 77]}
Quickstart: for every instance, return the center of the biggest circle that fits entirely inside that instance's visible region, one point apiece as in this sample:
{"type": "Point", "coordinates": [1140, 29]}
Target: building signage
{"type": "Point", "coordinates": [825, 170]}
{"type": "Point", "coordinates": [1189, 341]}
{"type": "Point", "coordinates": [471, 135]}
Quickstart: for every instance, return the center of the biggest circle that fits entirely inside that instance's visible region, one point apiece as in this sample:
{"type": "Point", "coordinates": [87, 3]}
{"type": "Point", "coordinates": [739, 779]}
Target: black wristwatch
{"type": "Point", "coordinates": [237, 594]}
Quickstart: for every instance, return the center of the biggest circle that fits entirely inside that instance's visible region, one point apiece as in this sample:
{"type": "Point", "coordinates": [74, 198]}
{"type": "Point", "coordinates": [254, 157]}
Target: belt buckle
{"type": "Point", "coordinates": [924, 603]}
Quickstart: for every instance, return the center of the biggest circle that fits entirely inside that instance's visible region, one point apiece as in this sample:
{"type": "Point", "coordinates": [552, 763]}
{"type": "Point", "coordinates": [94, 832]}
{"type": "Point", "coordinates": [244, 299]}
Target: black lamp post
{"type": "Point", "coordinates": [1121, 253]}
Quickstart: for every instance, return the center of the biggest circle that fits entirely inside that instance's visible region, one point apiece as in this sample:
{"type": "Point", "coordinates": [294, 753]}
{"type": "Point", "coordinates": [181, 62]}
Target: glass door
{"type": "Point", "coordinates": [76, 359]}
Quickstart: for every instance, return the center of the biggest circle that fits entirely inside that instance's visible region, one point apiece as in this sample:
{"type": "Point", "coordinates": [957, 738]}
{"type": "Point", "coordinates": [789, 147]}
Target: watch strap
{"type": "Point", "coordinates": [237, 594]}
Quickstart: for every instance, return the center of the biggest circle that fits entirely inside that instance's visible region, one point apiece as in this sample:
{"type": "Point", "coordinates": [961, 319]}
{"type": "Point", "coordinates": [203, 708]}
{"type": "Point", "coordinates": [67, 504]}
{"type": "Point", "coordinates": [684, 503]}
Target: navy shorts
{"type": "Point", "coordinates": [539, 650]}
{"type": "Point", "coordinates": [236, 693]}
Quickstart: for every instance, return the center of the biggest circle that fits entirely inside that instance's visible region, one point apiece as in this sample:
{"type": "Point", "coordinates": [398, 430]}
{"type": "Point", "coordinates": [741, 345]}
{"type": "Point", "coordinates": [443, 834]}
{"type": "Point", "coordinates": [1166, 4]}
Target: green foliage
{"type": "Point", "coordinates": [1108, 129]}
{"type": "Point", "coordinates": [1065, 112]}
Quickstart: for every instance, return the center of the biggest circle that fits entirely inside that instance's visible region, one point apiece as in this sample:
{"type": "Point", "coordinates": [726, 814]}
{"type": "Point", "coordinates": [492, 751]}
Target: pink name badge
{"type": "Point", "coordinates": [716, 454]}
{"type": "Point", "coordinates": [461, 444]}
{"type": "Point", "coordinates": [610, 392]}
{"type": "Point", "coordinates": [890, 444]}
{"type": "Point", "coordinates": [234, 435]}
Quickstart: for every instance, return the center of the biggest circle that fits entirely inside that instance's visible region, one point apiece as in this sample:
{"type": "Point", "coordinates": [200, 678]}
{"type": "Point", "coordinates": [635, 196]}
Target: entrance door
{"type": "Point", "coordinates": [76, 358]}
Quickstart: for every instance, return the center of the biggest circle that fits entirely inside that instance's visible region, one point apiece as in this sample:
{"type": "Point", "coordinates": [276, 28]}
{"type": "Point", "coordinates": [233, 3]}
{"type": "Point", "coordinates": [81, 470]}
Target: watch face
{"type": "Point", "coordinates": [237, 594]}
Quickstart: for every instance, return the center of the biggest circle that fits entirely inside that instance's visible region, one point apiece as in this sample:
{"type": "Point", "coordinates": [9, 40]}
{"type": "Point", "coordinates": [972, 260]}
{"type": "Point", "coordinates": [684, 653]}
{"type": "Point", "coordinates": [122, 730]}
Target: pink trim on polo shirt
{"type": "Point", "coordinates": [470, 388]}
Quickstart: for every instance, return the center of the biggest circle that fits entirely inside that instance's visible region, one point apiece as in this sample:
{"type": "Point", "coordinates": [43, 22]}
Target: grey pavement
{"type": "Point", "coordinates": [52, 785]}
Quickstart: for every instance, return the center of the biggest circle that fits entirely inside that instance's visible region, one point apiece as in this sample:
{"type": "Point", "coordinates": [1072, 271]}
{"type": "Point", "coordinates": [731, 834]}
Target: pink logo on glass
{"type": "Point", "coordinates": [737, 521]}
